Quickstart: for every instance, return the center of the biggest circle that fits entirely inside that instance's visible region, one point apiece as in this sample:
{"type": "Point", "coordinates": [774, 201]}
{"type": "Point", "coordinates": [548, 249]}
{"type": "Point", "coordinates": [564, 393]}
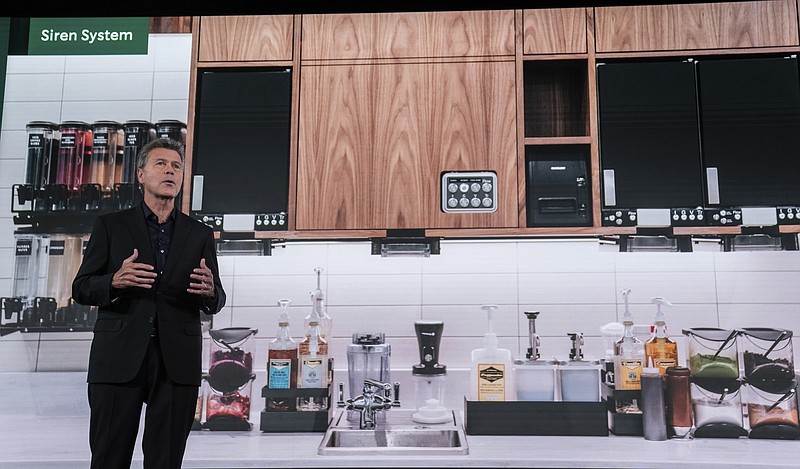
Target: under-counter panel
{"type": "Point", "coordinates": [374, 141]}
{"type": "Point", "coordinates": [713, 25]}
{"type": "Point", "coordinates": [408, 35]}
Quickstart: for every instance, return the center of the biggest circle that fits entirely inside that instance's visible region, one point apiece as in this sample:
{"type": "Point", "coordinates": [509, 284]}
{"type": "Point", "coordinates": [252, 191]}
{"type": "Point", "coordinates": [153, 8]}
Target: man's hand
{"type": "Point", "coordinates": [134, 274]}
{"type": "Point", "coordinates": [203, 281]}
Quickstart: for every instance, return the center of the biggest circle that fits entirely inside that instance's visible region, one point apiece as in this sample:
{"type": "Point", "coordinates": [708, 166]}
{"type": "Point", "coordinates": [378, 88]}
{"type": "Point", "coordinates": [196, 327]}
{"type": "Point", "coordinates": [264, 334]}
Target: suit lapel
{"type": "Point", "coordinates": [183, 227]}
{"type": "Point", "coordinates": [140, 237]}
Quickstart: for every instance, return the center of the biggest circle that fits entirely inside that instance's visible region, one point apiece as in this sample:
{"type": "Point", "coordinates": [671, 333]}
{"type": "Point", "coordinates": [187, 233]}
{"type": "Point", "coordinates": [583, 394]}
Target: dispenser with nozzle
{"type": "Point", "coordinates": [319, 309]}
{"type": "Point", "coordinates": [534, 377]}
{"type": "Point", "coordinates": [491, 372]}
{"type": "Point", "coordinates": [660, 348]}
{"type": "Point", "coordinates": [429, 375]}
{"type": "Point", "coordinates": [628, 353]}
{"type": "Point", "coordinates": [580, 377]}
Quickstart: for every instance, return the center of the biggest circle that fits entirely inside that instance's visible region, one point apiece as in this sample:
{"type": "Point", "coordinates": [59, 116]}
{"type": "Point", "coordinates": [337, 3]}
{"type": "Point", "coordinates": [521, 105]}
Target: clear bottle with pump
{"type": "Point", "coordinates": [660, 349]}
{"type": "Point", "coordinates": [491, 372]}
{"type": "Point", "coordinates": [313, 370]}
{"type": "Point", "coordinates": [282, 360]}
{"type": "Point", "coordinates": [318, 307]}
{"type": "Point", "coordinates": [628, 354]}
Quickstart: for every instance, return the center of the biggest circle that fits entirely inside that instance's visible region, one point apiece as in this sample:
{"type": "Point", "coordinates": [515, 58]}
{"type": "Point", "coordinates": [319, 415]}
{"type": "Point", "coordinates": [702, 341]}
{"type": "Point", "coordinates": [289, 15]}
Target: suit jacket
{"type": "Point", "coordinates": [125, 317]}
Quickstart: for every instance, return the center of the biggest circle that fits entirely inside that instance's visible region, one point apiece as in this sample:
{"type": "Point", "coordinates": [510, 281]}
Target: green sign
{"type": "Point", "coordinates": [88, 36]}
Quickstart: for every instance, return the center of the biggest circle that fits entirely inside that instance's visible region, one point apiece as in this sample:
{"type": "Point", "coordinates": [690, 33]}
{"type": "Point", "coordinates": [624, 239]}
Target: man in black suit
{"type": "Point", "coordinates": [151, 269]}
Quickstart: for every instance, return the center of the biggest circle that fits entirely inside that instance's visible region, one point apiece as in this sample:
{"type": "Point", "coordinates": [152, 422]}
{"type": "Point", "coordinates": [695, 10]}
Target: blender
{"type": "Point", "coordinates": [429, 376]}
{"type": "Point", "coordinates": [367, 358]}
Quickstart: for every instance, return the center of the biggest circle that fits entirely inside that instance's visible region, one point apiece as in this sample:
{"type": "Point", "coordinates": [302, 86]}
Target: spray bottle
{"type": "Point", "coordinates": [491, 372]}
{"type": "Point", "coordinates": [628, 353]}
{"type": "Point", "coordinates": [660, 349]}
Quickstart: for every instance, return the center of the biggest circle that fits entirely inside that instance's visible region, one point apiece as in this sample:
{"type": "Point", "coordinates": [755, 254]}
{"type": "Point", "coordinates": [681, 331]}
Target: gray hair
{"type": "Point", "coordinates": [168, 143]}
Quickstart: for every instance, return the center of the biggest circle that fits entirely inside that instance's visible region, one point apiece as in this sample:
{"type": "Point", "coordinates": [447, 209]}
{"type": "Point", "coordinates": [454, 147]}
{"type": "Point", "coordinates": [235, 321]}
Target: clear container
{"type": "Point", "coordinates": [229, 409]}
{"type": "Point", "coordinates": [580, 380]}
{"type": "Point", "coordinates": [231, 362]}
{"type": "Point", "coordinates": [535, 380]}
{"type": "Point", "coordinates": [30, 269]}
{"type": "Point", "coordinates": [170, 128]}
{"type": "Point", "coordinates": [138, 133]}
{"type": "Point", "coordinates": [42, 141]}
{"type": "Point", "coordinates": [716, 401]}
{"type": "Point", "coordinates": [713, 353]}
{"type": "Point", "coordinates": [767, 354]}
{"type": "Point", "coordinates": [72, 147]}
{"type": "Point", "coordinates": [107, 135]}
{"type": "Point", "coordinates": [771, 403]}
{"type": "Point", "coordinates": [367, 358]}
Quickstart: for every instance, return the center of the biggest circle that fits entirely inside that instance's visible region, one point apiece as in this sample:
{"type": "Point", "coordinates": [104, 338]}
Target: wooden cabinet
{"type": "Point", "coordinates": [408, 35]}
{"type": "Point", "coordinates": [375, 139]}
{"type": "Point", "coordinates": [245, 38]}
{"type": "Point", "coordinates": [717, 25]}
{"type": "Point", "coordinates": [554, 31]}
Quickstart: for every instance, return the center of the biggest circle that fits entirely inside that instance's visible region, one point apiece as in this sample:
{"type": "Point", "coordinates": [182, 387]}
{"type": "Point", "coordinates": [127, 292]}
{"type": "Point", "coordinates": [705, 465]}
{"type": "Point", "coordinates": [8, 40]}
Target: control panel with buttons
{"type": "Point", "coordinates": [788, 215]}
{"type": "Point", "coordinates": [723, 216]}
{"type": "Point", "coordinates": [262, 222]}
{"type": "Point", "coordinates": [619, 217]}
{"type": "Point", "coordinates": [688, 216]}
{"type": "Point", "coordinates": [469, 192]}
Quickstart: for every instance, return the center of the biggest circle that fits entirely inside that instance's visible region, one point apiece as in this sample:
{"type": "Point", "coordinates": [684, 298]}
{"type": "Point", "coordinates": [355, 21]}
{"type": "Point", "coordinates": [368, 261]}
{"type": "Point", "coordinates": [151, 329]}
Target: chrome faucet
{"type": "Point", "coordinates": [375, 396]}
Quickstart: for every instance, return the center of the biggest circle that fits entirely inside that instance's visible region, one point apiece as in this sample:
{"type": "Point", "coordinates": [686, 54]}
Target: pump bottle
{"type": "Point", "coordinates": [660, 349]}
{"type": "Point", "coordinates": [491, 372]}
{"type": "Point", "coordinates": [313, 370]}
{"type": "Point", "coordinates": [628, 353]}
{"type": "Point", "coordinates": [281, 360]}
{"type": "Point", "coordinates": [318, 307]}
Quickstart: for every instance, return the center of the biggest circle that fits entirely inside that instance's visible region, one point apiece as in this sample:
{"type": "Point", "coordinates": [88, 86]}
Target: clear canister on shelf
{"type": "Point", "coordinates": [713, 352]}
{"type": "Point", "coordinates": [137, 134]}
{"type": "Point", "coordinates": [229, 410]}
{"type": "Point", "coordinates": [772, 409]}
{"type": "Point", "coordinates": [70, 154]}
{"type": "Point", "coordinates": [42, 142]}
{"type": "Point", "coordinates": [171, 128]}
{"type": "Point", "coordinates": [767, 354]}
{"type": "Point", "coordinates": [717, 407]}
{"type": "Point", "coordinates": [107, 135]}
{"type": "Point", "coordinates": [231, 362]}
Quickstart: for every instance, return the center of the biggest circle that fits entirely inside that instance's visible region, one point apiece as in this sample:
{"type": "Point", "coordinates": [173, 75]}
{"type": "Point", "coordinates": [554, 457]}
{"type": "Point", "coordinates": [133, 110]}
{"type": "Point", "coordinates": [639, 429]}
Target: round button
{"type": "Point", "coordinates": [464, 202]}
{"type": "Point", "coordinates": [691, 216]}
{"type": "Point", "coordinates": [618, 213]}
{"type": "Point", "coordinates": [452, 187]}
{"type": "Point", "coordinates": [612, 218]}
{"type": "Point", "coordinates": [632, 217]}
{"type": "Point", "coordinates": [715, 216]}
{"type": "Point", "coordinates": [218, 222]}
{"type": "Point", "coordinates": [274, 221]}
{"type": "Point", "coordinates": [791, 215]}
{"type": "Point", "coordinates": [487, 202]}
{"type": "Point", "coordinates": [675, 216]}
{"type": "Point", "coordinates": [737, 216]}
{"type": "Point", "coordinates": [487, 187]}
{"type": "Point", "coordinates": [281, 222]}
{"type": "Point", "coordinates": [205, 217]}
{"type": "Point", "coordinates": [258, 222]}
{"type": "Point", "coordinates": [782, 215]}
{"type": "Point", "coordinates": [684, 217]}
{"type": "Point", "coordinates": [699, 216]}
{"type": "Point", "coordinates": [452, 202]}
{"type": "Point", "coordinates": [464, 187]}
{"type": "Point", "coordinates": [619, 221]}
{"type": "Point", "coordinates": [724, 221]}
{"type": "Point", "coordinates": [723, 213]}
{"type": "Point", "coordinates": [475, 187]}
{"type": "Point", "coordinates": [475, 202]}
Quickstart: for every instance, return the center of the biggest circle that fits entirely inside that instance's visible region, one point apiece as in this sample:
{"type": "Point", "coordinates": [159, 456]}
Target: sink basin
{"type": "Point", "coordinates": [394, 434]}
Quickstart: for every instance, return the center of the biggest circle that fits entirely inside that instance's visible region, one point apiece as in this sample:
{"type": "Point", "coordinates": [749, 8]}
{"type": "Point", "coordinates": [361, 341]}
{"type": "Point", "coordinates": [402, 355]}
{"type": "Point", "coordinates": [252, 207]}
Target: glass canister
{"type": "Point", "coordinates": [30, 271]}
{"type": "Point", "coordinates": [170, 128]}
{"type": "Point", "coordinates": [70, 154]}
{"type": "Point", "coordinates": [137, 134]}
{"type": "Point", "coordinates": [229, 410]}
{"type": "Point", "coordinates": [772, 409]}
{"type": "Point", "coordinates": [231, 362]}
{"type": "Point", "coordinates": [106, 136]}
{"type": "Point", "coordinates": [713, 353]}
{"type": "Point", "coordinates": [42, 137]}
{"type": "Point", "coordinates": [717, 407]}
{"type": "Point", "coordinates": [767, 354]}
{"type": "Point", "coordinates": [367, 358]}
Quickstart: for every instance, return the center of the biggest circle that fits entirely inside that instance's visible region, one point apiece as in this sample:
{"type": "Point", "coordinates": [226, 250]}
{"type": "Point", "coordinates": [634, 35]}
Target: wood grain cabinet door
{"type": "Point", "coordinates": [715, 25]}
{"type": "Point", "coordinates": [554, 31]}
{"type": "Point", "coordinates": [375, 139]}
{"type": "Point", "coordinates": [245, 38]}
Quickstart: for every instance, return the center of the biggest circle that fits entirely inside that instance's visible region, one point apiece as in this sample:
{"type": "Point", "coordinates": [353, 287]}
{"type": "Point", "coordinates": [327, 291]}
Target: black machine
{"type": "Point", "coordinates": [558, 188]}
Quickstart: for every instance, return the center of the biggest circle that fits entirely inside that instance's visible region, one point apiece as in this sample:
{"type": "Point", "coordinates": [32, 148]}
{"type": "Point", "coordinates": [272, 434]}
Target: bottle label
{"type": "Point", "coordinates": [491, 382]}
{"type": "Point", "coordinates": [628, 374]}
{"type": "Point", "coordinates": [280, 373]}
{"type": "Point", "coordinates": [664, 363]}
{"type": "Point", "coordinates": [312, 372]}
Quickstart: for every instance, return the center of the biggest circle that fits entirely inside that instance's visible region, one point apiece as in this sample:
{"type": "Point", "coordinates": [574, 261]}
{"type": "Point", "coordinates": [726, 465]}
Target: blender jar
{"type": "Point", "coordinates": [772, 409]}
{"type": "Point", "coordinates": [717, 407]}
{"type": "Point", "coordinates": [367, 358]}
{"type": "Point", "coordinates": [231, 361]}
{"type": "Point", "coordinates": [713, 353]}
{"type": "Point", "coordinates": [229, 409]}
{"type": "Point", "coordinates": [768, 354]}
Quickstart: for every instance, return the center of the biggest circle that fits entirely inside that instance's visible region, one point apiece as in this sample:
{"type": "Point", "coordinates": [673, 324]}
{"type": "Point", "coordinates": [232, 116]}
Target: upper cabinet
{"type": "Point", "coordinates": [718, 25]}
{"type": "Point", "coordinates": [408, 35]}
{"type": "Point", "coordinates": [375, 139]}
{"type": "Point", "coordinates": [554, 31]}
{"type": "Point", "coordinates": [245, 38]}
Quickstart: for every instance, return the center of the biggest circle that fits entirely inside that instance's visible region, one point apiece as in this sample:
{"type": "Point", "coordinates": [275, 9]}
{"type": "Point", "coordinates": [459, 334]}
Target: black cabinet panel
{"type": "Point", "coordinates": [241, 140]}
{"type": "Point", "coordinates": [648, 123]}
{"type": "Point", "coordinates": [750, 123]}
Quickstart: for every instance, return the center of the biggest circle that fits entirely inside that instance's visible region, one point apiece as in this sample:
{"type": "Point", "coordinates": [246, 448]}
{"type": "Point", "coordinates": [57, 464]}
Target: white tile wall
{"type": "Point", "coordinates": [574, 284]}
